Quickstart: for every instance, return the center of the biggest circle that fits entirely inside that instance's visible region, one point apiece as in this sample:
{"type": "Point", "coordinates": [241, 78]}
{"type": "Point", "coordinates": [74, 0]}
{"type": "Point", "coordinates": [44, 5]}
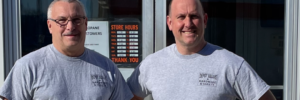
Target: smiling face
{"type": "Point", "coordinates": [71, 35]}
{"type": "Point", "coordinates": [187, 21]}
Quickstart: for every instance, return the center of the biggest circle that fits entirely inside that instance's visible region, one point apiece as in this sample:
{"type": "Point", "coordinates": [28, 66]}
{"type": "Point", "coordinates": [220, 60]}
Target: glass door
{"type": "Point", "coordinates": [122, 30]}
{"type": "Point", "coordinates": [253, 29]}
{"type": "Point", "coordinates": [116, 29]}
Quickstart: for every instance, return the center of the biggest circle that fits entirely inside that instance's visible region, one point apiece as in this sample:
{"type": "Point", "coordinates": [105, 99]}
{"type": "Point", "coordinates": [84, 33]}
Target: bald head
{"type": "Point", "coordinates": [199, 5]}
{"type": "Point", "coordinates": [70, 1]}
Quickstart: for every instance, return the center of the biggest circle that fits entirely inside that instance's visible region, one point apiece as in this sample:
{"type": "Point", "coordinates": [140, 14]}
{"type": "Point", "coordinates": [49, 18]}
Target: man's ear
{"type": "Point", "coordinates": [49, 26]}
{"type": "Point", "coordinates": [205, 19]}
{"type": "Point", "coordinates": [86, 20]}
{"type": "Point", "coordinates": [169, 23]}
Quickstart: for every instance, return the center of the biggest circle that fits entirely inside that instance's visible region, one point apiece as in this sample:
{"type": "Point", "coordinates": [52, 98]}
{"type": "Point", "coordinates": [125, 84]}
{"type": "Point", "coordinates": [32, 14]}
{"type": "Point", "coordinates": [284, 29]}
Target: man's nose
{"type": "Point", "coordinates": [188, 23]}
{"type": "Point", "coordinates": [70, 25]}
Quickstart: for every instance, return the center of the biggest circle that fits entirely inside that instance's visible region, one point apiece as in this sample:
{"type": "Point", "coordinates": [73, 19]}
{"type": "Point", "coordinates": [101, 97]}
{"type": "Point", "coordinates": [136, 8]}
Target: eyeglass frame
{"type": "Point", "coordinates": [62, 25]}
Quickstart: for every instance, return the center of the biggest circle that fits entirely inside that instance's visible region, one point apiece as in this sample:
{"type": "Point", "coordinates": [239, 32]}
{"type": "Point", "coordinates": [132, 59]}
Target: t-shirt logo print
{"type": "Point", "coordinates": [206, 79]}
{"type": "Point", "coordinates": [99, 80]}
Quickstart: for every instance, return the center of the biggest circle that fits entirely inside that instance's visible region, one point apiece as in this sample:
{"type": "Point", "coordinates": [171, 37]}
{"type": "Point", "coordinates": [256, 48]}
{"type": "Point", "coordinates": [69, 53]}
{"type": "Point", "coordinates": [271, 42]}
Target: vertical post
{"type": "Point", "coordinates": [148, 30]}
{"type": "Point", "coordinates": [291, 47]}
{"type": "Point", "coordinates": [11, 33]}
{"type": "Point", "coordinates": [160, 24]}
{"type": "Point", "coordinates": [147, 27]}
{"type": "Point", "coordinates": [297, 44]}
{"type": "Point", "coordinates": [2, 74]}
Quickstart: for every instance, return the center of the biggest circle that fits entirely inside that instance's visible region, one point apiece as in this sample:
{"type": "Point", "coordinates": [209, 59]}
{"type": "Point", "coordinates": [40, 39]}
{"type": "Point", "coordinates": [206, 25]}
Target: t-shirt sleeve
{"type": "Point", "coordinates": [248, 84]}
{"type": "Point", "coordinates": [137, 83]}
{"type": "Point", "coordinates": [17, 85]}
{"type": "Point", "coordinates": [121, 90]}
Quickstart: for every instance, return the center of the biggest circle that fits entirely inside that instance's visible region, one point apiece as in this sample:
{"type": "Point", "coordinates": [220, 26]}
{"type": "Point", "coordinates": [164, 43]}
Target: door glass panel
{"type": "Point", "coordinates": [118, 24]}
{"type": "Point", "coordinates": [35, 33]}
{"type": "Point", "coordinates": [253, 29]}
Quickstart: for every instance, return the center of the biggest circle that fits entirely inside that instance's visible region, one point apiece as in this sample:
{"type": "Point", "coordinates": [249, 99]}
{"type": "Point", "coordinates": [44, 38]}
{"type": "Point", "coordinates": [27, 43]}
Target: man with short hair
{"type": "Point", "coordinates": [65, 69]}
{"type": "Point", "coordinates": [193, 69]}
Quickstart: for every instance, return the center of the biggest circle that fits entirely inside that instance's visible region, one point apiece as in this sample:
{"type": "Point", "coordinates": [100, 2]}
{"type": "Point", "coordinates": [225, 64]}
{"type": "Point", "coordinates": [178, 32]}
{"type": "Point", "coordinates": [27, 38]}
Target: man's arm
{"type": "Point", "coordinates": [137, 85]}
{"type": "Point", "coordinates": [121, 91]}
{"type": "Point", "coordinates": [249, 86]}
{"type": "Point", "coordinates": [18, 83]}
{"type": "Point", "coordinates": [268, 96]}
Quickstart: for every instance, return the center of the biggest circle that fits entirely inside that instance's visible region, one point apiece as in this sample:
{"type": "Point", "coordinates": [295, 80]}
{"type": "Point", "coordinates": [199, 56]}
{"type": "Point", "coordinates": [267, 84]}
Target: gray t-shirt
{"type": "Point", "coordinates": [213, 73]}
{"type": "Point", "coordinates": [46, 74]}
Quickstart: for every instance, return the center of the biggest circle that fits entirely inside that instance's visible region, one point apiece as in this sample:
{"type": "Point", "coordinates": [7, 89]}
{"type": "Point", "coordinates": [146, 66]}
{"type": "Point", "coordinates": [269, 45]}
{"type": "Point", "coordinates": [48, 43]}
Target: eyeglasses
{"type": "Point", "coordinates": [64, 22]}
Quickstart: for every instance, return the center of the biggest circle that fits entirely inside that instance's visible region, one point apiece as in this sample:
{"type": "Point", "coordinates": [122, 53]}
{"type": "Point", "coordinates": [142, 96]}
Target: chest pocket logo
{"type": "Point", "coordinates": [99, 80]}
{"type": "Point", "coordinates": [206, 79]}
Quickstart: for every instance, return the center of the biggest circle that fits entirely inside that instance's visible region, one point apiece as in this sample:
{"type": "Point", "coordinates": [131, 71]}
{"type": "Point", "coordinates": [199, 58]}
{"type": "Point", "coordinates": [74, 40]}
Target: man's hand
{"type": "Point", "coordinates": [3, 98]}
{"type": "Point", "coordinates": [137, 98]}
{"type": "Point", "coordinates": [268, 96]}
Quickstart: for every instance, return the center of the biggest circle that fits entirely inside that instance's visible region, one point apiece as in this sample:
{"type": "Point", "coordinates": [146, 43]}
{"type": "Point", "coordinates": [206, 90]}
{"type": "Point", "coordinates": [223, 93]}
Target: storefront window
{"type": "Point", "coordinates": [114, 28]}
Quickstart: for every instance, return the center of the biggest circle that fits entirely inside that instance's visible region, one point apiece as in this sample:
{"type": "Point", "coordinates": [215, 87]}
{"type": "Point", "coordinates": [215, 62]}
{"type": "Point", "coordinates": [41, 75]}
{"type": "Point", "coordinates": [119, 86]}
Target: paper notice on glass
{"type": "Point", "coordinates": [97, 37]}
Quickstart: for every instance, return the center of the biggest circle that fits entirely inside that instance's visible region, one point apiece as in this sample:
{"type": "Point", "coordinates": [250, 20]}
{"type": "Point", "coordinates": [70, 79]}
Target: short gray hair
{"type": "Point", "coordinates": [54, 1]}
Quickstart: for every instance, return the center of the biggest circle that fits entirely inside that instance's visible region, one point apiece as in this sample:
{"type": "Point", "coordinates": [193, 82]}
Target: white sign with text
{"type": "Point", "coordinates": [97, 37]}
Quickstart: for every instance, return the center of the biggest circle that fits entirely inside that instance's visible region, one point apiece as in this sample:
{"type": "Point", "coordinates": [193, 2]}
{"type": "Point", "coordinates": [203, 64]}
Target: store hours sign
{"type": "Point", "coordinates": [125, 43]}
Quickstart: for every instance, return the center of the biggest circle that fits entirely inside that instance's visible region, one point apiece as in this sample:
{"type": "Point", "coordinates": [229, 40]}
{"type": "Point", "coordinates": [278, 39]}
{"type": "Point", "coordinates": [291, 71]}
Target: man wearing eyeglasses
{"type": "Point", "coordinates": [65, 69]}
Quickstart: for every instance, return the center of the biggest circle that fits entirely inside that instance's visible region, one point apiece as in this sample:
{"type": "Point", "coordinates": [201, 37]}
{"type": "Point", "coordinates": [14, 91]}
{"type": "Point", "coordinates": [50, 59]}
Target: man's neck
{"type": "Point", "coordinates": [70, 51]}
{"type": "Point", "coordinates": [188, 50]}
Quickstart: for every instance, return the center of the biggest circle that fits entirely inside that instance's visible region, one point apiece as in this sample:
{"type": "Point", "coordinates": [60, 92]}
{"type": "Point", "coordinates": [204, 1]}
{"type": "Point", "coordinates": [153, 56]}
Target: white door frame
{"type": "Point", "coordinates": [147, 27]}
{"type": "Point", "coordinates": [11, 33]}
{"type": "Point", "coordinates": [2, 75]}
{"type": "Point", "coordinates": [160, 24]}
{"type": "Point", "coordinates": [291, 50]}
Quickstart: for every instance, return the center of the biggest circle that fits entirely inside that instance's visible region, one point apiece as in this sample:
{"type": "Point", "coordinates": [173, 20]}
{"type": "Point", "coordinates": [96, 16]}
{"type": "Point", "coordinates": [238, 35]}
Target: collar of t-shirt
{"type": "Point", "coordinates": [57, 53]}
{"type": "Point", "coordinates": [208, 49]}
